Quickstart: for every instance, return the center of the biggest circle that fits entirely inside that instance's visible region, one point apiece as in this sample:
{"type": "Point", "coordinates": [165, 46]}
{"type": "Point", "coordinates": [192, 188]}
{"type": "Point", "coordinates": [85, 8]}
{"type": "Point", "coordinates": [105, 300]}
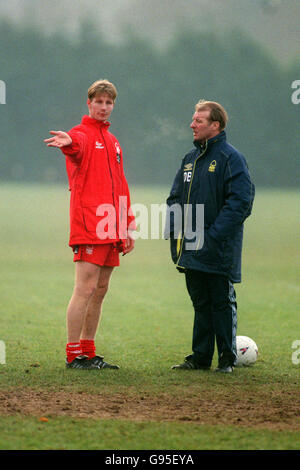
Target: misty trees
{"type": "Point", "coordinates": [47, 79]}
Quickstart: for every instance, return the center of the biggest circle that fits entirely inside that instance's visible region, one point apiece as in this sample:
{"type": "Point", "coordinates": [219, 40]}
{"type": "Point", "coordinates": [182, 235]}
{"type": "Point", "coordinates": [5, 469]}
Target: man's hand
{"type": "Point", "coordinates": [129, 245]}
{"type": "Point", "coordinates": [60, 139]}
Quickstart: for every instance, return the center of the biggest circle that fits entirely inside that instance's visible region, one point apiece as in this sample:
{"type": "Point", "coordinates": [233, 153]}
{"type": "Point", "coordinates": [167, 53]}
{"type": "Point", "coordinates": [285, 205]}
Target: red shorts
{"type": "Point", "coordinates": [105, 254]}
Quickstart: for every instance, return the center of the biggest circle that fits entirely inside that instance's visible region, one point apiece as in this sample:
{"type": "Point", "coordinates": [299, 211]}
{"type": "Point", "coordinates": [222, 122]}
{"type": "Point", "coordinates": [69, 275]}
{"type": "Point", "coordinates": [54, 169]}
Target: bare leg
{"type": "Point", "coordinates": [86, 279]}
{"type": "Point", "coordinates": [93, 311]}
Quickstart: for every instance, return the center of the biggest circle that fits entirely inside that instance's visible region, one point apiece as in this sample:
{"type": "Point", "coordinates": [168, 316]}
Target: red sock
{"type": "Point", "coordinates": [73, 350]}
{"type": "Point", "coordinates": [88, 347]}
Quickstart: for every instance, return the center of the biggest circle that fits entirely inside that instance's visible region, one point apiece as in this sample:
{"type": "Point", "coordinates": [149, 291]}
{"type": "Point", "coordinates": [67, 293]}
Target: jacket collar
{"type": "Point", "coordinates": [209, 142]}
{"type": "Point", "coordinates": [87, 120]}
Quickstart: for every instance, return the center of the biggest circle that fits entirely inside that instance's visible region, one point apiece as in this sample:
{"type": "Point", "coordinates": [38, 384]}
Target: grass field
{"type": "Point", "coordinates": [146, 328]}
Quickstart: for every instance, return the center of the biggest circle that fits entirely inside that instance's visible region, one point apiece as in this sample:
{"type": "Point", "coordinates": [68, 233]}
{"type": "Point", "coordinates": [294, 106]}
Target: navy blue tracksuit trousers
{"type": "Point", "coordinates": [214, 301]}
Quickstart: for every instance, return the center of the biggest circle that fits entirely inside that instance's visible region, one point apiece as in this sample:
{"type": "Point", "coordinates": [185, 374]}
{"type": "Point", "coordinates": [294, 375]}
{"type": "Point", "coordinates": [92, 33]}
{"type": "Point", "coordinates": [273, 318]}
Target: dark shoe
{"type": "Point", "coordinates": [225, 369]}
{"type": "Point", "coordinates": [98, 363]}
{"type": "Point", "coordinates": [190, 364]}
{"type": "Point", "coordinates": [80, 362]}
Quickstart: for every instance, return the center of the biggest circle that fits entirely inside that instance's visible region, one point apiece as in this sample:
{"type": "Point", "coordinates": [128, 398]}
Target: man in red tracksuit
{"type": "Point", "coordinates": [101, 220]}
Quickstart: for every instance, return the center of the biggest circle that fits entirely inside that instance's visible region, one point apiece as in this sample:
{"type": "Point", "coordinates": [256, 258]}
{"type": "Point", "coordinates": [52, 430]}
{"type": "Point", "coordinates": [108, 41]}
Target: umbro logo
{"type": "Point", "coordinates": [188, 167]}
{"type": "Point", "coordinates": [99, 145]}
{"type": "Point", "coordinates": [89, 249]}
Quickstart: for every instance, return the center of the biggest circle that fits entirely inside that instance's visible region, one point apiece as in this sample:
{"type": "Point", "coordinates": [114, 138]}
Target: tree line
{"type": "Point", "coordinates": [46, 80]}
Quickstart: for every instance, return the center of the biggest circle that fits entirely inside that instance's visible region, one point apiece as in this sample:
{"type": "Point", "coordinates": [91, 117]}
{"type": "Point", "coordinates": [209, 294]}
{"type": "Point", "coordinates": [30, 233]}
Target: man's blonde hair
{"type": "Point", "coordinates": [217, 112]}
{"type": "Point", "coordinates": [102, 86]}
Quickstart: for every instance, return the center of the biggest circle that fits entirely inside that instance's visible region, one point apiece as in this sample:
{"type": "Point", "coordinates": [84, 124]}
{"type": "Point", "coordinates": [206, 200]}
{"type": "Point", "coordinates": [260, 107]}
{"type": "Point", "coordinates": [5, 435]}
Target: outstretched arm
{"type": "Point", "coordinates": [71, 144]}
{"type": "Point", "coordinates": [60, 139]}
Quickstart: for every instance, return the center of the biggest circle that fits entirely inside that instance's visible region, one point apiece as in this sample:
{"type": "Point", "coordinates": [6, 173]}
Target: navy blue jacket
{"type": "Point", "coordinates": [216, 176]}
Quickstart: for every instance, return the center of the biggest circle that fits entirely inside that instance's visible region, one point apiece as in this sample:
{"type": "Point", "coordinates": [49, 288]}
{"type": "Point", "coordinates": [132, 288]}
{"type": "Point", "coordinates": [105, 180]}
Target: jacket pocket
{"type": "Point", "coordinates": [212, 251]}
{"type": "Point", "coordinates": [90, 218]}
{"type": "Point", "coordinates": [100, 221]}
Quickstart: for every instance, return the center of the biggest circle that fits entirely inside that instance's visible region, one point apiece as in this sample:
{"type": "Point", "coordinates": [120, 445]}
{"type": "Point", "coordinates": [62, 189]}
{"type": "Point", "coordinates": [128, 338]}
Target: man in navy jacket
{"type": "Point", "coordinates": [207, 245]}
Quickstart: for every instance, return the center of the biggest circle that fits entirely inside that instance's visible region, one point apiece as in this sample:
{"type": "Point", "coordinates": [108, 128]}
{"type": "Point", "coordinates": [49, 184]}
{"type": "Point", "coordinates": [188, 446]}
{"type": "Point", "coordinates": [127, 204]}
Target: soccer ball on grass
{"type": "Point", "coordinates": [247, 351]}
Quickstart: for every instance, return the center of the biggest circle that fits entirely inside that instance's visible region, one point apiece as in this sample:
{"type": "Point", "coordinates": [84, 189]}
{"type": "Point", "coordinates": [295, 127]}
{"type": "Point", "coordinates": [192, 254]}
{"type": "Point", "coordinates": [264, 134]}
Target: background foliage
{"type": "Point", "coordinates": [47, 78]}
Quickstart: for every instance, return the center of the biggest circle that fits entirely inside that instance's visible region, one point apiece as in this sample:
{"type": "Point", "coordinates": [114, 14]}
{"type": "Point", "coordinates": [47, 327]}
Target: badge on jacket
{"type": "Point", "coordinates": [187, 172]}
{"type": "Point", "coordinates": [212, 166]}
{"type": "Point", "coordinates": [118, 152]}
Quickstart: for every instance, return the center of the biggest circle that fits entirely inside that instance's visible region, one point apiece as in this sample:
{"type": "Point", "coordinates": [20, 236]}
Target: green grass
{"type": "Point", "coordinates": [146, 324]}
{"type": "Point", "coordinates": [77, 434]}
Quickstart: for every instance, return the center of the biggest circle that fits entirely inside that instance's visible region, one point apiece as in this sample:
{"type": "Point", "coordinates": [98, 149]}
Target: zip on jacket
{"type": "Point", "coordinates": [188, 199]}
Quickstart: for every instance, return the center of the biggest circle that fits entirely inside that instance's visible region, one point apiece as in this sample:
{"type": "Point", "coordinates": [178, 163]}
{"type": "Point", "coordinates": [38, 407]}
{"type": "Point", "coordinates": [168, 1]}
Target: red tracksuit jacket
{"type": "Point", "coordinates": [100, 201]}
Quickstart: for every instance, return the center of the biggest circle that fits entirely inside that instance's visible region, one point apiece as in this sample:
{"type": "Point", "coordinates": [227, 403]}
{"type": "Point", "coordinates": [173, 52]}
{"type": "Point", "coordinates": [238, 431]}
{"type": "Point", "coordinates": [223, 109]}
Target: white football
{"type": "Point", "coordinates": [247, 351]}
